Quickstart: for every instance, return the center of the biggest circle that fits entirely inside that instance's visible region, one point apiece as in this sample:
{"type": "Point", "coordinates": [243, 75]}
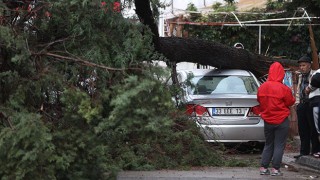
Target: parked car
{"type": "Point", "coordinates": [221, 101]}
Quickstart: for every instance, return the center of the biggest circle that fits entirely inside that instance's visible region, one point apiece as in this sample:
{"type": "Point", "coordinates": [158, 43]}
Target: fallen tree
{"type": "Point", "coordinates": [205, 52]}
{"type": "Point", "coordinates": [216, 55]}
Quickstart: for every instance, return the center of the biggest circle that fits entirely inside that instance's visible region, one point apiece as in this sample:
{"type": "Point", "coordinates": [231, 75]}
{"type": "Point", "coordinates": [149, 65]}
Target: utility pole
{"type": "Point", "coordinates": [172, 6]}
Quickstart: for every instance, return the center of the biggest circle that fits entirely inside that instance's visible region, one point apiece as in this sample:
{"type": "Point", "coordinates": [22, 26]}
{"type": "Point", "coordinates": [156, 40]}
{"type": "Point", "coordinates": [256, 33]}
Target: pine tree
{"type": "Point", "coordinates": [80, 98]}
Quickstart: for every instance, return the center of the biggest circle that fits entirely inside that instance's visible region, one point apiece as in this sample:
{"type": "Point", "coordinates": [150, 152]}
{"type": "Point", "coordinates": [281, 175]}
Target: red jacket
{"type": "Point", "coordinates": [274, 97]}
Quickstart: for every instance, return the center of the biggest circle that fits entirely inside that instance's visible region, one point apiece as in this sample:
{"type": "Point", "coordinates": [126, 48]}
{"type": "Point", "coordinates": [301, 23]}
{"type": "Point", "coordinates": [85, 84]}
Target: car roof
{"type": "Point", "coordinates": [220, 72]}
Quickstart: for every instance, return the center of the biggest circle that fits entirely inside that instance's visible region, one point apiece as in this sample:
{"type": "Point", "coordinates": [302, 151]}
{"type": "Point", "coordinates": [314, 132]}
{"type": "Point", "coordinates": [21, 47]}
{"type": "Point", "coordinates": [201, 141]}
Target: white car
{"type": "Point", "coordinates": [221, 101]}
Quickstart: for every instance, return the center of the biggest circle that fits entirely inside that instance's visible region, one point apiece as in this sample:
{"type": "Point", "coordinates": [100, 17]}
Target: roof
{"type": "Point", "coordinates": [245, 5]}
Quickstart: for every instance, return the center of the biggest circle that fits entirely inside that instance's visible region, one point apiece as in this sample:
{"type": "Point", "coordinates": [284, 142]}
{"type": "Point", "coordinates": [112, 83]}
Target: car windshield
{"type": "Point", "coordinates": [222, 84]}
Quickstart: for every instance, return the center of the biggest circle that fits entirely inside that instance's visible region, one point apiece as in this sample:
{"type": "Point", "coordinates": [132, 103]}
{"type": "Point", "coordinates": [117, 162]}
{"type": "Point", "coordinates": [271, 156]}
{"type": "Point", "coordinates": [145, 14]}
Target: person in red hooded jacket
{"type": "Point", "coordinates": [275, 100]}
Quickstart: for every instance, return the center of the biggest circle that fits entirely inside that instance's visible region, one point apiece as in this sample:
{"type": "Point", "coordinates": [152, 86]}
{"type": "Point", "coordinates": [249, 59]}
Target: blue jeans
{"type": "Point", "coordinates": [276, 137]}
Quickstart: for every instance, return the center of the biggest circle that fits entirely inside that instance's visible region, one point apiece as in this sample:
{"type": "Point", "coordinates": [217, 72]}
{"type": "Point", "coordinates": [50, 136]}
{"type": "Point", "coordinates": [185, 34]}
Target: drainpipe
{"type": "Point", "coordinates": [259, 39]}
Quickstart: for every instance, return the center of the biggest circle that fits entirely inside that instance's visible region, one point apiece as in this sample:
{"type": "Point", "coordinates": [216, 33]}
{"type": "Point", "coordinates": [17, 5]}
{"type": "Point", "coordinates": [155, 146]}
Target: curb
{"type": "Point", "coordinates": [304, 163]}
{"type": "Point", "coordinates": [309, 161]}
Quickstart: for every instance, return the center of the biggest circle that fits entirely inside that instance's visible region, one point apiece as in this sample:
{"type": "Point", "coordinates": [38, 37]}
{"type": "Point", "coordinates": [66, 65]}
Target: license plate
{"type": "Point", "coordinates": [228, 111]}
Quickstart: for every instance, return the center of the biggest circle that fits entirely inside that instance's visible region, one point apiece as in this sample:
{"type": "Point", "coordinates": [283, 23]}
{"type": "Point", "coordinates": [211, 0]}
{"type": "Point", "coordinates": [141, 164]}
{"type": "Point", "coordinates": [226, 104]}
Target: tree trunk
{"type": "Point", "coordinates": [217, 55]}
{"type": "Point", "coordinates": [145, 15]}
{"type": "Point", "coordinates": [314, 50]}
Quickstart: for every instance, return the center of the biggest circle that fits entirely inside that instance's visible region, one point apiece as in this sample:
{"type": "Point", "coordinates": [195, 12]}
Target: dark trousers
{"type": "Point", "coordinates": [307, 130]}
{"type": "Point", "coordinates": [276, 138]}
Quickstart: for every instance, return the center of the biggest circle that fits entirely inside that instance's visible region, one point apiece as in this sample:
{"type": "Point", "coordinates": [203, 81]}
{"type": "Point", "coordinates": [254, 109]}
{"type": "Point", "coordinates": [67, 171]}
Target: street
{"type": "Point", "coordinates": [291, 170]}
{"type": "Point", "coordinates": [215, 173]}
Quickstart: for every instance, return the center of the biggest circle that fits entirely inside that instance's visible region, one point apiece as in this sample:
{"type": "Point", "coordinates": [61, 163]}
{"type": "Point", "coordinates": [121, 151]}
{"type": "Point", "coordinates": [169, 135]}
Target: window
{"type": "Point", "coordinates": [222, 84]}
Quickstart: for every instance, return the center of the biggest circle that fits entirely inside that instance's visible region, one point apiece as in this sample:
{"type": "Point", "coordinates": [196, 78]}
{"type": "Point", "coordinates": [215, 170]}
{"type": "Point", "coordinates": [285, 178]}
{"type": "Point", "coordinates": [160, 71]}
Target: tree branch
{"type": "Point", "coordinates": [86, 62]}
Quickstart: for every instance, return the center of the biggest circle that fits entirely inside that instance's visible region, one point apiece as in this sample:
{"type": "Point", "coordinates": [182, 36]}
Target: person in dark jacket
{"type": "Point", "coordinates": [275, 100]}
{"type": "Point", "coordinates": [313, 89]}
{"type": "Point", "coordinates": [307, 131]}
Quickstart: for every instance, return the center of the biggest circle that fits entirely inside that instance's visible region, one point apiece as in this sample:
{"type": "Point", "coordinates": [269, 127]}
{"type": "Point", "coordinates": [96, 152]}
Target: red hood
{"type": "Point", "coordinates": [276, 72]}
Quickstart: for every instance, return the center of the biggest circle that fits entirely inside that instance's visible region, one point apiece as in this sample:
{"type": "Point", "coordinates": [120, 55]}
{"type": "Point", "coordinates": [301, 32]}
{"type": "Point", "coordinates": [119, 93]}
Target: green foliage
{"type": "Point", "coordinates": [274, 5]}
{"type": "Point", "coordinates": [216, 6]}
{"type": "Point", "coordinates": [312, 6]}
{"type": "Point", "coordinates": [276, 41]}
{"type": "Point", "coordinates": [230, 2]}
{"type": "Point", "coordinates": [146, 127]}
{"type": "Point", "coordinates": [191, 7]}
{"type": "Point", "coordinates": [227, 8]}
{"type": "Point", "coordinates": [81, 100]}
{"type": "Point", "coordinates": [27, 151]}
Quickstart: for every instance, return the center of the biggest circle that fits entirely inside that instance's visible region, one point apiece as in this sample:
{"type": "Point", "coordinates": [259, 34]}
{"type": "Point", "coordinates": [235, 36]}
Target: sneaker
{"type": "Point", "coordinates": [316, 155]}
{"type": "Point", "coordinates": [276, 172]}
{"type": "Point", "coordinates": [264, 171]}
